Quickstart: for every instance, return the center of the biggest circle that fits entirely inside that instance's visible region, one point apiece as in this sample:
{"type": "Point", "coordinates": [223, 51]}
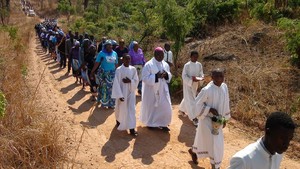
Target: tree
{"type": "Point", "coordinates": [66, 8]}
{"type": "Point", "coordinates": [177, 22]}
{"type": "Point", "coordinates": [146, 17]}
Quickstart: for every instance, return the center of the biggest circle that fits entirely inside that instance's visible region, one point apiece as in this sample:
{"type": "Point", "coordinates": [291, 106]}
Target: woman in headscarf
{"type": "Point", "coordinates": [76, 60]}
{"type": "Point", "coordinates": [137, 60]}
{"type": "Point", "coordinates": [108, 61]}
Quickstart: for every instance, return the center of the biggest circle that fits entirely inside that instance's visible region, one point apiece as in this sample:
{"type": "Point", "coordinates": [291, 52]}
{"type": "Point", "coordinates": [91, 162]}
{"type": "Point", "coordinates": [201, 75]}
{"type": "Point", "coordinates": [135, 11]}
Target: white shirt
{"type": "Point", "coordinates": [255, 156]}
{"type": "Point", "coordinates": [168, 56]}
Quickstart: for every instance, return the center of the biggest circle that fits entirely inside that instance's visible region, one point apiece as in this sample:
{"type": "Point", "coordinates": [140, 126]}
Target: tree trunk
{"type": "Point", "coordinates": [85, 4]}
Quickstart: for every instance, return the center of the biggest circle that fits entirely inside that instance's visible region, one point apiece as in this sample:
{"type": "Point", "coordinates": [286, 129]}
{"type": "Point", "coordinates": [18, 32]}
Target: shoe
{"type": "Point", "coordinates": [194, 156]}
{"type": "Point", "coordinates": [195, 122]}
{"type": "Point", "coordinates": [133, 132]}
{"type": "Point", "coordinates": [150, 128]}
{"type": "Point", "coordinates": [165, 129]}
{"type": "Point", "coordinates": [117, 123]}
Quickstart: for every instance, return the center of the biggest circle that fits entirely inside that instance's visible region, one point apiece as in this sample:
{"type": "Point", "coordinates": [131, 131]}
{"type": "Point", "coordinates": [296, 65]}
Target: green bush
{"type": "Point", "coordinates": [212, 12]}
{"type": "Point", "coordinates": [265, 12]}
{"type": "Point", "coordinates": [175, 84]}
{"type": "Point", "coordinates": [3, 103]}
{"type": "Point", "coordinates": [90, 16]}
{"type": "Point", "coordinates": [292, 29]}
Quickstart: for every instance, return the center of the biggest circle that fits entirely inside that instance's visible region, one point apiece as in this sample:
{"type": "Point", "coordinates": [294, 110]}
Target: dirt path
{"type": "Point", "coordinates": [102, 145]}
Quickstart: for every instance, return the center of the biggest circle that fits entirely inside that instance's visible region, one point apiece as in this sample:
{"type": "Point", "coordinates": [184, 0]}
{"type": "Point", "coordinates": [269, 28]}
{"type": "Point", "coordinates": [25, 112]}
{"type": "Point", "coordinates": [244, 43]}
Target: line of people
{"type": "Point", "coordinates": [115, 73]}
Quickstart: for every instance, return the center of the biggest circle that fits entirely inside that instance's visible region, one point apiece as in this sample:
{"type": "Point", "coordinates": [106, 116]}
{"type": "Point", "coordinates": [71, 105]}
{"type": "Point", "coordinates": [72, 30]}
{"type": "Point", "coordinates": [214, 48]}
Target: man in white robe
{"type": "Point", "coordinates": [192, 74]}
{"type": "Point", "coordinates": [213, 100]}
{"type": "Point", "coordinates": [123, 90]}
{"type": "Point", "coordinates": [266, 153]}
{"type": "Point", "coordinates": [156, 110]}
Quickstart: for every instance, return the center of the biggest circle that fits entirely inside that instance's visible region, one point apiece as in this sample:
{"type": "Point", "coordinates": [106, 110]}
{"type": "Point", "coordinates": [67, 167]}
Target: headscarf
{"type": "Point", "coordinates": [132, 44]}
{"type": "Point", "coordinates": [107, 42]}
{"type": "Point", "coordinates": [77, 43]}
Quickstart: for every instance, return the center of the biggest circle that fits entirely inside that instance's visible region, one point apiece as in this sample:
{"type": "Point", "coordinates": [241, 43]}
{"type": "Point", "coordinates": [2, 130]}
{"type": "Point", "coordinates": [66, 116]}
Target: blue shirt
{"type": "Point", "coordinates": [108, 60]}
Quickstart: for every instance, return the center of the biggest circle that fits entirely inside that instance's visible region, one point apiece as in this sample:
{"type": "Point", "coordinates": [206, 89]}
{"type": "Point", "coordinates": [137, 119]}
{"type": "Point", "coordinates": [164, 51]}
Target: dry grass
{"type": "Point", "coordinates": [261, 79]}
{"type": "Point", "coordinates": [28, 138]}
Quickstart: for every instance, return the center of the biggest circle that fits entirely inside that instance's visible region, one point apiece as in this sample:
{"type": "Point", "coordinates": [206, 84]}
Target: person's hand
{"type": "Point", "coordinates": [126, 80]}
{"type": "Point", "coordinates": [164, 74]}
{"type": "Point", "coordinates": [194, 79]}
{"type": "Point", "coordinates": [224, 124]}
{"type": "Point", "coordinates": [214, 111]}
{"type": "Point", "coordinates": [159, 75]}
{"type": "Point", "coordinates": [122, 99]}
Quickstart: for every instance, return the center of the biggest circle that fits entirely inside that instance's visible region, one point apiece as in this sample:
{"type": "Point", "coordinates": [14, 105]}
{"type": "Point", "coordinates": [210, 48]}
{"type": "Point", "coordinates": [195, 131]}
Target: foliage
{"type": "Point", "coordinates": [219, 119]}
{"type": "Point", "coordinates": [177, 22]}
{"type": "Point", "coordinates": [175, 84]}
{"type": "Point", "coordinates": [66, 8]}
{"type": "Point", "coordinates": [265, 12]}
{"type": "Point", "coordinates": [13, 32]}
{"type": "Point", "coordinates": [292, 28]}
{"type": "Point", "coordinates": [270, 11]}
{"type": "Point", "coordinates": [24, 70]}
{"type": "Point", "coordinates": [212, 12]}
{"type": "Point", "coordinates": [3, 103]}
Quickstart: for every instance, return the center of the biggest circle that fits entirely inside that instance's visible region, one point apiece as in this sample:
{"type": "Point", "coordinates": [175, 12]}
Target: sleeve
{"type": "Point", "coordinates": [236, 163]}
{"type": "Point", "coordinates": [185, 77]}
{"type": "Point", "coordinates": [227, 106]}
{"type": "Point", "coordinates": [131, 57]}
{"type": "Point", "coordinates": [98, 58]}
{"type": "Point", "coordinates": [116, 88]}
{"type": "Point", "coordinates": [171, 57]}
{"type": "Point", "coordinates": [116, 56]}
{"type": "Point", "coordinates": [134, 80]}
{"type": "Point", "coordinates": [167, 69]}
{"type": "Point", "coordinates": [201, 108]}
{"type": "Point", "coordinates": [144, 61]}
{"type": "Point", "coordinates": [201, 70]}
{"type": "Point", "coordinates": [147, 77]}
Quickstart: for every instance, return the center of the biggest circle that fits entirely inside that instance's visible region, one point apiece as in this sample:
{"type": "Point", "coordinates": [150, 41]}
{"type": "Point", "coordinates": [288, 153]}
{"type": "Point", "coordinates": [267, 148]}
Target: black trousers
{"type": "Point", "coordinates": [63, 60]}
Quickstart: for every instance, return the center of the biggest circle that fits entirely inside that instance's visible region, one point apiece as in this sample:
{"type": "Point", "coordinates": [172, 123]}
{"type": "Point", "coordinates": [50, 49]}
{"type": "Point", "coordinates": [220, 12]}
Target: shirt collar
{"type": "Point", "coordinates": [263, 148]}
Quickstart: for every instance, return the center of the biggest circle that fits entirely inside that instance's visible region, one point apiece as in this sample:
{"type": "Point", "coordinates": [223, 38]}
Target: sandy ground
{"type": "Point", "coordinates": [102, 146]}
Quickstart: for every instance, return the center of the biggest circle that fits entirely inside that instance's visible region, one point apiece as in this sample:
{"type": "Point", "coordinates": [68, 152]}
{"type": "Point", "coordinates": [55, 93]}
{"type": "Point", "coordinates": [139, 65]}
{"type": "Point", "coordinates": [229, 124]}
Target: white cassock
{"type": "Point", "coordinates": [190, 87]}
{"type": "Point", "coordinates": [125, 111]}
{"type": "Point", "coordinates": [205, 143]}
{"type": "Point", "coordinates": [255, 156]}
{"type": "Point", "coordinates": [156, 110]}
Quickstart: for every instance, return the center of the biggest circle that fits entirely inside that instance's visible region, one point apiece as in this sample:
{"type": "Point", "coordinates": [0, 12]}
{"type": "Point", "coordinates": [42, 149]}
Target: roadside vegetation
{"type": "Point", "coordinates": [29, 138]}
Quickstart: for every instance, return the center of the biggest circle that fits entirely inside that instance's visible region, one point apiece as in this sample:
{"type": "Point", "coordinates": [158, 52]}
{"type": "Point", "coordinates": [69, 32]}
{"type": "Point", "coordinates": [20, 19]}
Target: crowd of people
{"type": "Point", "coordinates": [115, 73]}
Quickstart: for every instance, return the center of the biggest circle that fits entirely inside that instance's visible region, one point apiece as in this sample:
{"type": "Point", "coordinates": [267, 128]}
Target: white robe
{"type": "Point", "coordinates": [205, 143]}
{"type": "Point", "coordinates": [255, 156]}
{"type": "Point", "coordinates": [156, 107]}
{"type": "Point", "coordinates": [125, 111]}
{"type": "Point", "coordinates": [190, 87]}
